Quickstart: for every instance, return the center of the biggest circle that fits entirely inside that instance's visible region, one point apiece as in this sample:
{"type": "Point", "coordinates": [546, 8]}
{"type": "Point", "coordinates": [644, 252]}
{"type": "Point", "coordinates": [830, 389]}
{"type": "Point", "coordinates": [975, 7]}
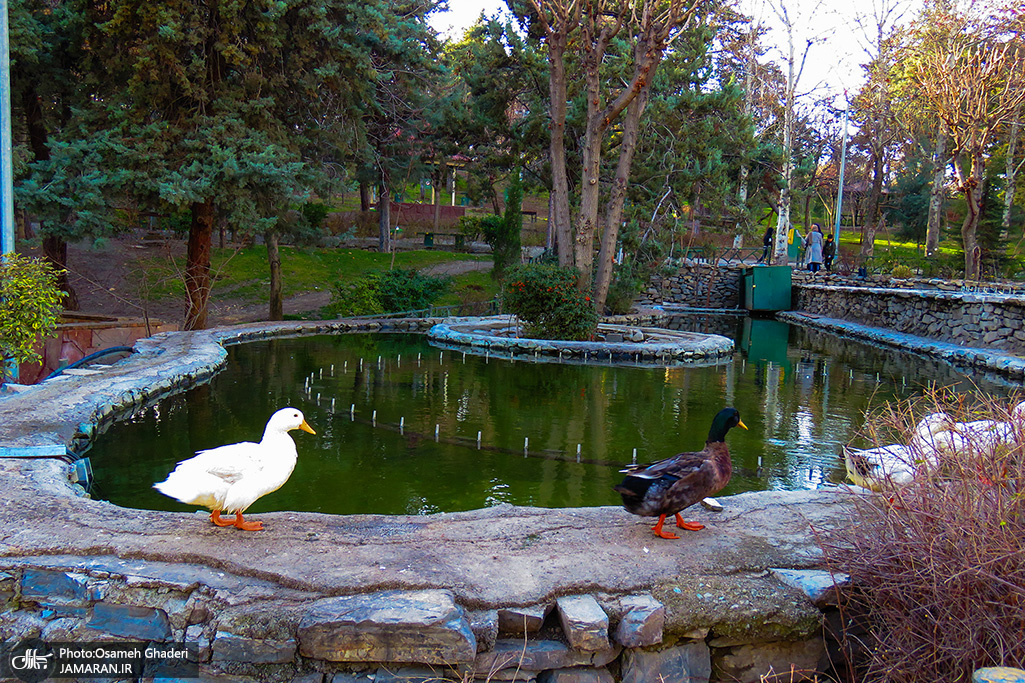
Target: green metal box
{"type": "Point", "coordinates": [767, 288]}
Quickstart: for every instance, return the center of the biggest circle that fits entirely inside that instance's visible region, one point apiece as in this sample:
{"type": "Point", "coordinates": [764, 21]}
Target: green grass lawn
{"type": "Point", "coordinates": [244, 273]}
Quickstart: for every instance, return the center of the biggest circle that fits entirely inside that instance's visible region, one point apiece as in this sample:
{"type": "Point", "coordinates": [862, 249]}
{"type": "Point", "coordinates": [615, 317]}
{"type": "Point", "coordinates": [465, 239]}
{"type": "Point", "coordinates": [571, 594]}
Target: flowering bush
{"type": "Point", "coordinates": [546, 299]}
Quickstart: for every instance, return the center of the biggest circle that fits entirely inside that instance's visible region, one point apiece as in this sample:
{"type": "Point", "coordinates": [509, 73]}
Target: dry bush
{"type": "Point", "coordinates": [938, 566]}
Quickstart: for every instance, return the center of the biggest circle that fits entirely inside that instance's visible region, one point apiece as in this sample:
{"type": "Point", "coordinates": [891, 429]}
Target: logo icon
{"type": "Point", "coordinates": [31, 660]}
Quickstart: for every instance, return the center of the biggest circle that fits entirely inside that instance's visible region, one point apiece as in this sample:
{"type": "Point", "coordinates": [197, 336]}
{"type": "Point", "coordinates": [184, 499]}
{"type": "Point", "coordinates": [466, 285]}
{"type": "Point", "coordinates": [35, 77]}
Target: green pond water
{"type": "Point", "coordinates": [802, 393]}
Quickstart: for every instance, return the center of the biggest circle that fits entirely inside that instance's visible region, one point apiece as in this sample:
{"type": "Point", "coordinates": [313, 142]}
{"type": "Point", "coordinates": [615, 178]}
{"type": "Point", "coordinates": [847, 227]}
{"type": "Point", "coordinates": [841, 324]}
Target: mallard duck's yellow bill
{"type": "Point", "coordinates": [740, 423]}
{"type": "Point", "coordinates": [305, 426]}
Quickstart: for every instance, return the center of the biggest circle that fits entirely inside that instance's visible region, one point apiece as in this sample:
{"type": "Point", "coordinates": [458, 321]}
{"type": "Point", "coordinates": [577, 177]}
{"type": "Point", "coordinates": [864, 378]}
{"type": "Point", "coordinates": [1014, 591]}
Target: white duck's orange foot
{"type": "Point", "coordinates": [216, 518]}
{"type": "Point", "coordinates": [246, 526]}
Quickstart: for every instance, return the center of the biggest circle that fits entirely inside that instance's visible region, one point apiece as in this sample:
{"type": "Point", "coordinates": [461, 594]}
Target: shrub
{"type": "Point", "coordinates": [392, 291]}
{"type": "Point", "coordinates": [360, 297]}
{"type": "Point", "coordinates": [30, 305]}
{"type": "Point", "coordinates": [314, 213]}
{"type": "Point", "coordinates": [937, 569]}
{"type": "Point", "coordinates": [902, 271]}
{"type": "Point", "coordinates": [408, 290]}
{"type": "Point", "coordinates": [546, 299]}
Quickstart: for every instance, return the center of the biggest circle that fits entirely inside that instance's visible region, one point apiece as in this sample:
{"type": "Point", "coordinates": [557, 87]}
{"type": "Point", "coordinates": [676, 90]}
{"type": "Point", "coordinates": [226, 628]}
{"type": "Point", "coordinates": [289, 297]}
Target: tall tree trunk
{"type": "Point", "coordinates": [55, 251]}
{"type": "Point", "coordinates": [436, 183]}
{"type": "Point", "coordinates": [590, 185]}
{"type": "Point", "coordinates": [384, 215]}
{"type": "Point", "coordinates": [559, 198]}
{"type": "Point", "coordinates": [1010, 174]}
{"type": "Point", "coordinates": [874, 210]}
{"type": "Point", "coordinates": [617, 197]}
{"type": "Point", "coordinates": [973, 187]}
{"type": "Point", "coordinates": [807, 212]}
{"type": "Point", "coordinates": [197, 264]}
{"type": "Point", "coordinates": [364, 196]}
{"type": "Point", "coordinates": [274, 261]}
{"type": "Point", "coordinates": [936, 192]}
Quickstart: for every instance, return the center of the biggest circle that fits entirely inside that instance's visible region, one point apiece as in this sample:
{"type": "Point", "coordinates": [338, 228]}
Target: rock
{"type": "Point", "coordinates": [576, 675]}
{"type": "Point", "coordinates": [315, 677]}
{"type": "Point", "coordinates": [538, 655]}
{"type": "Point", "coordinates": [408, 674]}
{"type": "Point", "coordinates": [711, 504]}
{"type": "Point", "coordinates": [752, 663]}
{"type": "Point", "coordinates": [228, 647]}
{"type": "Point", "coordinates": [819, 585]}
{"type": "Point", "coordinates": [642, 622]}
{"type": "Point", "coordinates": [144, 623]}
{"type": "Point", "coordinates": [998, 674]}
{"type": "Point", "coordinates": [43, 584]}
{"type": "Point", "coordinates": [691, 663]}
{"type": "Point", "coordinates": [522, 620]}
{"type": "Point", "coordinates": [485, 626]}
{"type": "Point", "coordinates": [584, 622]}
{"type": "Point", "coordinates": [424, 627]}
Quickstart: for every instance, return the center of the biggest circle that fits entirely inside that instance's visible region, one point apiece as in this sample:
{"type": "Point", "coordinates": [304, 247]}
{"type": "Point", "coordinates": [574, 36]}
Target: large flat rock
{"type": "Point", "coordinates": [425, 627]}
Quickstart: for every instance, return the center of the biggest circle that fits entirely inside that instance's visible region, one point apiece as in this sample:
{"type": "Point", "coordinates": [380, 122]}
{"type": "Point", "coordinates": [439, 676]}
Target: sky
{"type": "Point", "coordinates": [834, 60]}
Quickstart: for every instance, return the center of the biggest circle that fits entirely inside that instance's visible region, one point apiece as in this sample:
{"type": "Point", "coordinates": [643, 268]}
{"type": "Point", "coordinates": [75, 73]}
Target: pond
{"type": "Point", "coordinates": [407, 428]}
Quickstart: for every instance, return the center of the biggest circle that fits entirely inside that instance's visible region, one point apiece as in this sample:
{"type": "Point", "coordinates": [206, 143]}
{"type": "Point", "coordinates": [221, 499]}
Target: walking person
{"type": "Point", "coordinates": [766, 245]}
{"type": "Point", "coordinates": [828, 252]}
{"type": "Point", "coordinates": [813, 244]}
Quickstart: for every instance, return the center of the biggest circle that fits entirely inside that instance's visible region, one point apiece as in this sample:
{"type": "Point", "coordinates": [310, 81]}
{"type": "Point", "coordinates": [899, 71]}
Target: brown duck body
{"type": "Point", "coordinates": [674, 484]}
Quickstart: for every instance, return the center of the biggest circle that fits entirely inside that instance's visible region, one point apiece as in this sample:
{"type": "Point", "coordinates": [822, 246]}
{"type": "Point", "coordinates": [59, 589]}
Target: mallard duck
{"type": "Point", "coordinates": [231, 478]}
{"type": "Point", "coordinates": [674, 484]}
{"type": "Point", "coordinates": [896, 463]}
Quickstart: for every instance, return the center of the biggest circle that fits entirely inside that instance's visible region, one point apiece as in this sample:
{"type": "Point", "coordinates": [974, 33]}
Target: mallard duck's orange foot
{"type": "Point", "coordinates": [246, 526]}
{"type": "Point", "coordinates": [216, 518]}
{"type": "Point", "coordinates": [689, 526]}
{"type": "Point", "coordinates": [660, 533]}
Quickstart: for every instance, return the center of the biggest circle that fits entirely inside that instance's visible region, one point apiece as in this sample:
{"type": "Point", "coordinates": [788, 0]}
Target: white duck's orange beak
{"type": "Point", "coordinates": [305, 426]}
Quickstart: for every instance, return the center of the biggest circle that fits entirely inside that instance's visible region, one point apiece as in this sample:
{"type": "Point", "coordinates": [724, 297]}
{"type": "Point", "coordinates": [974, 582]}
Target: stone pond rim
{"type": "Point", "coordinates": [495, 556]}
{"type": "Point", "coordinates": [500, 336]}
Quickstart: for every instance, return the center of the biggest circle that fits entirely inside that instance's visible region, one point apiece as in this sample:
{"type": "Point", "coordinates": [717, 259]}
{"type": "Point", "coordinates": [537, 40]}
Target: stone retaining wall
{"type": "Point", "coordinates": [992, 321]}
{"type": "Point", "coordinates": [697, 286]}
{"type": "Point", "coordinates": [253, 630]}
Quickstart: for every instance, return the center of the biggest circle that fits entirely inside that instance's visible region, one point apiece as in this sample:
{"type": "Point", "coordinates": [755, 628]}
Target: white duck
{"type": "Point", "coordinates": [977, 436]}
{"type": "Point", "coordinates": [896, 463]}
{"type": "Point", "coordinates": [231, 478]}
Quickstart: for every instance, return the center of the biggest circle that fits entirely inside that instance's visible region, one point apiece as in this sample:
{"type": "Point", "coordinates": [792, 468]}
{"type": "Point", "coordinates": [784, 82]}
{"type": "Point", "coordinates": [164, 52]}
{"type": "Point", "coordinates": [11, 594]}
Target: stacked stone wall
{"type": "Point", "coordinates": [993, 321]}
{"type": "Point", "coordinates": [249, 630]}
{"type": "Point", "coordinates": [698, 285]}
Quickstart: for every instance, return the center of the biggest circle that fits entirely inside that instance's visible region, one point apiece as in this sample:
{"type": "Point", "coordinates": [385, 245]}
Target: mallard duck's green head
{"type": "Point", "coordinates": [724, 421]}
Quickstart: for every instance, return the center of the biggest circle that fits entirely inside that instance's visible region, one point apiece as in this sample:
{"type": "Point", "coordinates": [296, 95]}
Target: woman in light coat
{"type": "Point", "coordinates": [813, 244]}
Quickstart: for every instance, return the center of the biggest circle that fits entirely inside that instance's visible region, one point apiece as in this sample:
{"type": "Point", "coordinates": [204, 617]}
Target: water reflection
{"type": "Point", "coordinates": [406, 428]}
